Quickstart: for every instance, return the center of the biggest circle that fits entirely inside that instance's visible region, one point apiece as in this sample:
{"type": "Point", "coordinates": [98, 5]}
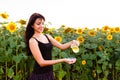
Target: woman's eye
{"type": "Point", "coordinates": [38, 23]}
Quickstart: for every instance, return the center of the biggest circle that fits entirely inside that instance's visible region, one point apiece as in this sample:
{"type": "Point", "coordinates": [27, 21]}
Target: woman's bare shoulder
{"type": "Point", "coordinates": [32, 40]}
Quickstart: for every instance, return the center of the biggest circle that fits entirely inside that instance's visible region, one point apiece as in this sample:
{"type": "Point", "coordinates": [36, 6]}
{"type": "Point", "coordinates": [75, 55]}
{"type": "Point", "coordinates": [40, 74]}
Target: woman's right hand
{"type": "Point", "coordinates": [75, 42]}
{"type": "Point", "coordinates": [69, 60]}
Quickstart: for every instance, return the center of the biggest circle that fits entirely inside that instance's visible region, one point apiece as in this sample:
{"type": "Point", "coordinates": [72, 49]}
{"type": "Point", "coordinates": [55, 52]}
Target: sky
{"type": "Point", "coordinates": [72, 13]}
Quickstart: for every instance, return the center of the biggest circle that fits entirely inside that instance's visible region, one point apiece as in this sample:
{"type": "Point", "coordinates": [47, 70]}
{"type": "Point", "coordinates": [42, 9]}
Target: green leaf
{"type": "Point", "coordinates": [24, 56]}
{"type": "Point", "coordinates": [92, 56]}
{"type": "Point", "coordinates": [17, 58]}
{"type": "Point", "coordinates": [22, 44]}
{"type": "Point", "coordinates": [17, 77]}
{"type": "Point", "coordinates": [1, 50]}
{"type": "Point", "coordinates": [104, 66]}
{"type": "Point", "coordinates": [9, 51]}
{"type": "Point", "coordinates": [13, 44]}
{"type": "Point", "coordinates": [93, 45]}
{"type": "Point", "coordinates": [98, 70]}
{"type": "Point", "coordinates": [10, 72]}
{"type": "Point", "coordinates": [64, 55]}
{"type": "Point", "coordinates": [118, 49]}
{"type": "Point", "coordinates": [56, 67]}
{"type": "Point", "coordinates": [4, 43]}
{"type": "Point", "coordinates": [85, 56]}
{"type": "Point", "coordinates": [106, 73]}
{"type": "Point", "coordinates": [87, 45]}
{"type": "Point", "coordinates": [3, 58]}
{"type": "Point", "coordinates": [89, 62]}
{"type": "Point", "coordinates": [117, 64]}
{"type": "Point", "coordinates": [61, 74]}
{"type": "Point", "coordinates": [1, 70]}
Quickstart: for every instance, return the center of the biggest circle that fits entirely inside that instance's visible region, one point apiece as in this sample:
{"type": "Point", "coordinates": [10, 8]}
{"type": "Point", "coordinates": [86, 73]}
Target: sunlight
{"type": "Point", "coordinates": [73, 13]}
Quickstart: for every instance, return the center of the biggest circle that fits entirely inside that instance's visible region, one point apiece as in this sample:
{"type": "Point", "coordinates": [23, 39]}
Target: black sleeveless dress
{"type": "Point", "coordinates": [43, 73]}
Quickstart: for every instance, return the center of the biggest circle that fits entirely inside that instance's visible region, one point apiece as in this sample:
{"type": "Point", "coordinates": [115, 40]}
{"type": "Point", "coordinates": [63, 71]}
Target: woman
{"type": "Point", "coordinates": [40, 46]}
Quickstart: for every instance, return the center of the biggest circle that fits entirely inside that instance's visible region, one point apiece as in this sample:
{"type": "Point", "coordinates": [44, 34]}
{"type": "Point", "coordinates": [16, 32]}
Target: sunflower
{"type": "Point", "coordinates": [99, 48]}
{"type": "Point", "coordinates": [79, 31]}
{"type": "Point", "coordinates": [117, 29]}
{"type": "Point", "coordinates": [112, 30]}
{"type": "Point", "coordinates": [92, 33]}
{"type": "Point", "coordinates": [109, 37]}
{"type": "Point", "coordinates": [67, 30]}
{"type": "Point", "coordinates": [51, 30]}
{"type": "Point", "coordinates": [83, 62]}
{"type": "Point", "coordinates": [11, 27]}
{"type": "Point", "coordinates": [4, 15]}
{"type": "Point", "coordinates": [100, 39]}
{"type": "Point", "coordinates": [85, 28]}
{"type": "Point", "coordinates": [98, 29]}
{"type": "Point", "coordinates": [105, 28]}
{"type": "Point", "coordinates": [22, 22]}
{"type": "Point", "coordinates": [63, 26]}
{"type": "Point", "coordinates": [58, 38]}
{"type": "Point", "coordinates": [80, 39]}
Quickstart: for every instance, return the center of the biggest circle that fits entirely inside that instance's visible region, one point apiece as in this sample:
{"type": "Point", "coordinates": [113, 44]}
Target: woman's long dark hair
{"type": "Point", "coordinates": [29, 30]}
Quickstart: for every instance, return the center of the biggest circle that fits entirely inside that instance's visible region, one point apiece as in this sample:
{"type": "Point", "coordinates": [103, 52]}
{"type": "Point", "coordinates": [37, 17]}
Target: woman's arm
{"type": "Point", "coordinates": [38, 56]}
{"type": "Point", "coordinates": [62, 46]}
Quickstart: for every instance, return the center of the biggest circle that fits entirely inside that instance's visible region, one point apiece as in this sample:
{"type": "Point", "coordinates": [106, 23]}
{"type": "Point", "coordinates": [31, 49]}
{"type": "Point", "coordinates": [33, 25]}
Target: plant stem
{"type": "Point", "coordinates": [96, 62]}
{"type": "Point", "coordinates": [60, 66]}
{"type": "Point", "coordinates": [5, 70]}
{"type": "Point", "coordinates": [16, 55]}
{"type": "Point", "coordinates": [113, 72]}
{"type": "Point", "coordinates": [16, 68]}
{"type": "Point", "coordinates": [5, 62]}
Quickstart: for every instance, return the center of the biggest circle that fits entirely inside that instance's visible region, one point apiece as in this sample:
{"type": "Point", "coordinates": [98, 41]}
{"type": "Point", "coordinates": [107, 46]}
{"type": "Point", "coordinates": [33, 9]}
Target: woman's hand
{"type": "Point", "coordinates": [75, 42]}
{"type": "Point", "coordinates": [70, 60]}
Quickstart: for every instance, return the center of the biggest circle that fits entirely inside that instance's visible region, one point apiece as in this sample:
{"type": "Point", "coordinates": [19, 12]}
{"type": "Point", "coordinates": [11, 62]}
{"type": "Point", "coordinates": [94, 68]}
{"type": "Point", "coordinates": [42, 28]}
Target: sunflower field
{"type": "Point", "coordinates": [98, 57]}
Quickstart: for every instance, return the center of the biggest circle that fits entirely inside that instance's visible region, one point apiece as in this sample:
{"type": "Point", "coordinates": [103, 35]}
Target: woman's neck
{"type": "Point", "coordinates": [37, 34]}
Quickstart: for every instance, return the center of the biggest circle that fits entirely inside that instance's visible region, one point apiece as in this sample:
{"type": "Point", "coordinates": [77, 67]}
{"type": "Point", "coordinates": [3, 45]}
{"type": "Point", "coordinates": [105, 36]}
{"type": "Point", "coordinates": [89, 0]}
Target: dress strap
{"type": "Point", "coordinates": [35, 39]}
{"type": "Point", "coordinates": [47, 37]}
{"type": "Point", "coordinates": [39, 41]}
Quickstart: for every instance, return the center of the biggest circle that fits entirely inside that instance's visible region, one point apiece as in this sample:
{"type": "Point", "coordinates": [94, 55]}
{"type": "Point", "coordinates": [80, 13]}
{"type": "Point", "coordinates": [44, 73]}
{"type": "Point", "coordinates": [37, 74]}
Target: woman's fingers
{"type": "Point", "coordinates": [75, 42]}
{"type": "Point", "coordinates": [70, 60]}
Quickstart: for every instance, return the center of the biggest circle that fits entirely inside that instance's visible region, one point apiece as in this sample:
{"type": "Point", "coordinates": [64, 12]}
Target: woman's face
{"type": "Point", "coordinates": [38, 25]}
